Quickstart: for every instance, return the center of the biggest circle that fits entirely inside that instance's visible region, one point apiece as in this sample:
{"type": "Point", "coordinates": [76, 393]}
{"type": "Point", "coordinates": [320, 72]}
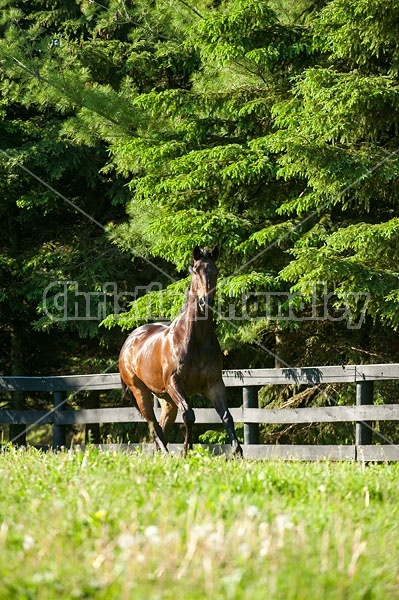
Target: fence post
{"type": "Point", "coordinates": [59, 431]}
{"type": "Point", "coordinates": [250, 400]}
{"type": "Point", "coordinates": [364, 396]}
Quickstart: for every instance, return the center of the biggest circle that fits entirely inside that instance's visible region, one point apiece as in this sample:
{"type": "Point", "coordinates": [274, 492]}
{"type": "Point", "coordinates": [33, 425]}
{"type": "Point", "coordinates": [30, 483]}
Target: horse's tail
{"type": "Point", "coordinates": [127, 393]}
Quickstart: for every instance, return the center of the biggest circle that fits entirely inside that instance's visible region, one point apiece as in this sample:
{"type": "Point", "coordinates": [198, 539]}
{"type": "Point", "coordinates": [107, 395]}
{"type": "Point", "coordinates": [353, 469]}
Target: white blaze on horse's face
{"type": "Point", "coordinates": [204, 275]}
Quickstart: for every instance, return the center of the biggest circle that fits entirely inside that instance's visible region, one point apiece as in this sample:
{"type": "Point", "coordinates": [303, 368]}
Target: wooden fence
{"type": "Point", "coordinates": [363, 413]}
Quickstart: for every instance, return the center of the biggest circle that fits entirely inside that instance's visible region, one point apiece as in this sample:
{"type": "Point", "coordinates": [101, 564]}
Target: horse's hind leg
{"type": "Point", "coordinates": [144, 400]}
{"type": "Point", "coordinates": [177, 394]}
{"type": "Point", "coordinates": [168, 417]}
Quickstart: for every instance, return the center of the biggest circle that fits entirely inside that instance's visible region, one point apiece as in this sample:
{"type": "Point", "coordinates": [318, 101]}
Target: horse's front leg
{"type": "Point", "coordinates": [217, 394]}
{"type": "Point", "coordinates": [178, 396]}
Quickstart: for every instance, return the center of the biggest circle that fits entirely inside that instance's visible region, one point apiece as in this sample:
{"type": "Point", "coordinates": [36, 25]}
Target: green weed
{"type": "Point", "coordinates": [120, 526]}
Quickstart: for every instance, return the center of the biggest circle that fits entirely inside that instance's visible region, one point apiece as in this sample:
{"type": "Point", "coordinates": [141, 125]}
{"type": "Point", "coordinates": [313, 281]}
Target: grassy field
{"type": "Point", "coordinates": [120, 526]}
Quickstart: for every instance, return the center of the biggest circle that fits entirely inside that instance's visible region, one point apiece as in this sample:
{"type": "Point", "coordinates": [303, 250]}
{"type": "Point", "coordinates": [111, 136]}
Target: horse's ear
{"type": "Point", "coordinates": [215, 253]}
{"type": "Point", "coordinates": [197, 253]}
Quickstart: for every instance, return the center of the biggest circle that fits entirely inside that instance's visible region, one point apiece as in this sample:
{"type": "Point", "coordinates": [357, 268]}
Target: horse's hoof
{"type": "Point", "coordinates": [236, 451]}
{"type": "Point", "coordinates": [161, 448]}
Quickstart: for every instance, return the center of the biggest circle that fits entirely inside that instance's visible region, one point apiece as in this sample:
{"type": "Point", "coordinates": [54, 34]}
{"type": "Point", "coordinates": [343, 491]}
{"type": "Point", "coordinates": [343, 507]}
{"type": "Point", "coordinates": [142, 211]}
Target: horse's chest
{"type": "Point", "coordinates": [197, 370]}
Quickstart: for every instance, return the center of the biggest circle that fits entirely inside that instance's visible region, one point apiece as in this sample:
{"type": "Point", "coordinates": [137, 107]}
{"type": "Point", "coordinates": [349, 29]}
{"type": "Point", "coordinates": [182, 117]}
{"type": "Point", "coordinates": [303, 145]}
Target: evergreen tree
{"type": "Point", "coordinates": [55, 201]}
{"type": "Point", "coordinates": [338, 135]}
{"type": "Point", "coordinates": [283, 152]}
{"type": "Point", "coordinates": [204, 172]}
{"type": "Point", "coordinates": [265, 127]}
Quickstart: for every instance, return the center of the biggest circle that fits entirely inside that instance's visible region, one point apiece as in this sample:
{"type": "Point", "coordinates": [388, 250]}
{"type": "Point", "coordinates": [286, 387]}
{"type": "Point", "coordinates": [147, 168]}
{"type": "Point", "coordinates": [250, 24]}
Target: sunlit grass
{"type": "Point", "coordinates": [99, 525]}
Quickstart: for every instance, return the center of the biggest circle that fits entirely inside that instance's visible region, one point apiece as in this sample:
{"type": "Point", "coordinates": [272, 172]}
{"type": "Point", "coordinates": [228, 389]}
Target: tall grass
{"type": "Point", "coordinates": [121, 526]}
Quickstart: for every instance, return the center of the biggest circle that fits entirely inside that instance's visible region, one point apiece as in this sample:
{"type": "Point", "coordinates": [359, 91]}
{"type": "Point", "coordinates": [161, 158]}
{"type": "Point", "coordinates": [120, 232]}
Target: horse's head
{"type": "Point", "coordinates": [204, 274]}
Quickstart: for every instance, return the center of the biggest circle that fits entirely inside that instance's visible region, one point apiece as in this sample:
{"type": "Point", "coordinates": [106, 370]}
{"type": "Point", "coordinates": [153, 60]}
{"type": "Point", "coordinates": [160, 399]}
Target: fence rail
{"type": "Point", "coordinates": [362, 413]}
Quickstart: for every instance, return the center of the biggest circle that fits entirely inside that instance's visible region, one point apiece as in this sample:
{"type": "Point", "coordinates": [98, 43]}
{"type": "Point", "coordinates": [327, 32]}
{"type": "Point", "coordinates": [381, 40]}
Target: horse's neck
{"type": "Point", "coordinates": [197, 326]}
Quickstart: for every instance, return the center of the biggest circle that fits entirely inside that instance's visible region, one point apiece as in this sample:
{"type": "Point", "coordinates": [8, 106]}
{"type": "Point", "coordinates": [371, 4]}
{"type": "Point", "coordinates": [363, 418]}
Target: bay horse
{"type": "Point", "coordinates": [180, 359]}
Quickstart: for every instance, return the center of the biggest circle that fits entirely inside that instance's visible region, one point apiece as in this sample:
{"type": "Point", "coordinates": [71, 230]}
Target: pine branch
{"type": "Point", "coordinates": [78, 101]}
{"type": "Point", "coordinates": [194, 10]}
